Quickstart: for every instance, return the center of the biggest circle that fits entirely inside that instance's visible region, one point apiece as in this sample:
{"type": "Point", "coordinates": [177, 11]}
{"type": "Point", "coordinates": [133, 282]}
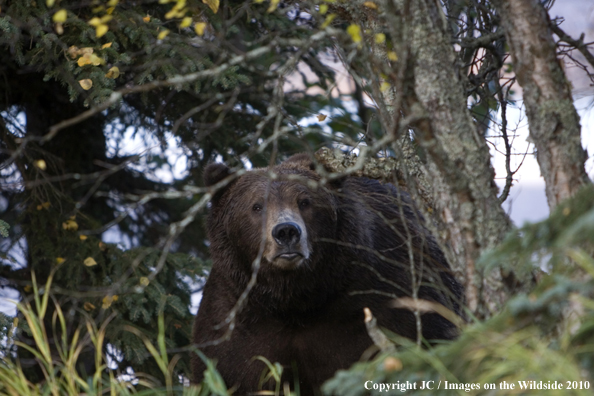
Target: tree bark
{"type": "Point", "coordinates": [458, 159]}
{"type": "Point", "coordinates": [553, 120]}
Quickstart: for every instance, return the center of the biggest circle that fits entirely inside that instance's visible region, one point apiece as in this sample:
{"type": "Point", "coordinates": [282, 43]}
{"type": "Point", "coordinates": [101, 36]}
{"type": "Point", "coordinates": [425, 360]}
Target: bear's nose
{"type": "Point", "coordinates": [286, 234]}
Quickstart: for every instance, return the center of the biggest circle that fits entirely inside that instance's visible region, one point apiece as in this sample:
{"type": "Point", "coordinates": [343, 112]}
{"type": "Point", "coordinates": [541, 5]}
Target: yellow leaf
{"type": "Point", "coordinates": [89, 262]}
{"type": "Point", "coordinates": [86, 50]}
{"type": "Point", "coordinates": [187, 21]}
{"type": "Point", "coordinates": [73, 51]}
{"type": "Point", "coordinates": [83, 237]}
{"type": "Point", "coordinates": [199, 27]}
{"type": "Point", "coordinates": [60, 16]}
{"type": "Point", "coordinates": [392, 56]}
{"type": "Point", "coordinates": [144, 281]}
{"type": "Point", "coordinates": [214, 4]}
{"type": "Point", "coordinates": [94, 21]}
{"type": "Point", "coordinates": [355, 32]}
{"type": "Point", "coordinates": [84, 60]}
{"type": "Point", "coordinates": [27, 288]}
{"type": "Point", "coordinates": [70, 225]}
{"type": "Point", "coordinates": [50, 3]}
{"type": "Point", "coordinates": [328, 21]}
{"type": "Point", "coordinates": [392, 364]}
{"type": "Point", "coordinates": [88, 306]}
{"type": "Point", "coordinates": [106, 303]}
{"type": "Point", "coordinates": [96, 60]}
{"type": "Point", "coordinates": [101, 30]}
{"type": "Point", "coordinates": [107, 300]}
{"type": "Point", "coordinates": [60, 260]}
{"type": "Point", "coordinates": [86, 83]}
{"type": "Point", "coordinates": [385, 86]}
{"type": "Point", "coordinates": [163, 34]}
{"type": "Point", "coordinates": [46, 205]}
{"type": "Point", "coordinates": [380, 38]}
{"type": "Point", "coordinates": [112, 3]}
{"type": "Point", "coordinates": [323, 9]}
{"type": "Point", "coordinates": [110, 10]}
{"type": "Point", "coordinates": [147, 18]}
{"type": "Point", "coordinates": [39, 207]}
{"type": "Point", "coordinates": [178, 13]}
{"type": "Point", "coordinates": [106, 45]}
{"type": "Point", "coordinates": [171, 14]}
{"type": "Point", "coordinates": [40, 164]}
{"type": "Point", "coordinates": [114, 73]}
{"type": "Point", "coordinates": [59, 28]}
{"type": "Point", "coordinates": [106, 18]}
{"type": "Point", "coordinates": [90, 59]}
{"type": "Point", "coordinates": [273, 5]}
{"type": "Point", "coordinates": [370, 4]}
{"type": "Point", "coordinates": [258, 1]}
{"type": "Point", "coordinates": [322, 117]}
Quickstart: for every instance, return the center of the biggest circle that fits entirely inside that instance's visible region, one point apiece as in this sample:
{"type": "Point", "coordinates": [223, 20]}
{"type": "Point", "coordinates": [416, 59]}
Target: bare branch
{"type": "Point", "coordinates": [577, 44]}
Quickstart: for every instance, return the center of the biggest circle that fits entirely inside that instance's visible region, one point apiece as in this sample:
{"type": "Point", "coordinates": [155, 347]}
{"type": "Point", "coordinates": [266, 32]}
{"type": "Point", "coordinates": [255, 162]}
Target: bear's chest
{"type": "Point", "coordinates": [311, 351]}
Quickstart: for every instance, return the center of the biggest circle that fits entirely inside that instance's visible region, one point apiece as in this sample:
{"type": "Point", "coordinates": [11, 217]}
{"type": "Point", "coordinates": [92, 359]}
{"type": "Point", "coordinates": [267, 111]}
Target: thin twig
{"type": "Point", "coordinates": [578, 44]}
{"type": "Point", "coordinates": [509, 174]}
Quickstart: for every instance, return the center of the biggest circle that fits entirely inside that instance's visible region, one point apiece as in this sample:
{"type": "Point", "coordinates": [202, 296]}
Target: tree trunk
{"type": "Point", "coordinates": [458, 159]}
{"type": "Point", "coordinates": [554, 122]}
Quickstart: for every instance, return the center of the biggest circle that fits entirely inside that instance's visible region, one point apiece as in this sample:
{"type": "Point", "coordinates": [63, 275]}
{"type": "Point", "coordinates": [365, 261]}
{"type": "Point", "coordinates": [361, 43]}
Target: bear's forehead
{"type": "Point", "coordinates": [259, 182]}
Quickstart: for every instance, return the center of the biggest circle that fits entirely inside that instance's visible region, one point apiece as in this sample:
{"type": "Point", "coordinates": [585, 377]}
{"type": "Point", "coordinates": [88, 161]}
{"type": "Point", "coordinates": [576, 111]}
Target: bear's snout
{"type": "Point", "coordinates": [286, 234]}
{"type": "Point", "coordinates": [286, 245]}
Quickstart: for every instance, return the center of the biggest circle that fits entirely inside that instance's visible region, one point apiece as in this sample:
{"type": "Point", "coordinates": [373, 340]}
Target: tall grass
{"type": "Point", "coordinates": [57, 353]}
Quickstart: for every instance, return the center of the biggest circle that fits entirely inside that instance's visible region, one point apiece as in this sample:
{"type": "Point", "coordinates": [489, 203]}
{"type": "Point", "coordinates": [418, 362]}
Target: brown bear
{"type": "Point", "coordinates": [323, 253]}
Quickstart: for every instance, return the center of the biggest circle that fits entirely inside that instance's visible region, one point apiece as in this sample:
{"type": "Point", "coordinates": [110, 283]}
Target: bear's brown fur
{"type": "Point", "coordinates": [326, 253]}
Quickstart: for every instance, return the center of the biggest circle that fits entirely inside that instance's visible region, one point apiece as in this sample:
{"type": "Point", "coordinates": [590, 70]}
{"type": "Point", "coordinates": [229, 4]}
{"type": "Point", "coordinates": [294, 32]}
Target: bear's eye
{"type": "Point", "coordinates": [257, 208]}
{"type": "Point", "coordinates": [304, 203]}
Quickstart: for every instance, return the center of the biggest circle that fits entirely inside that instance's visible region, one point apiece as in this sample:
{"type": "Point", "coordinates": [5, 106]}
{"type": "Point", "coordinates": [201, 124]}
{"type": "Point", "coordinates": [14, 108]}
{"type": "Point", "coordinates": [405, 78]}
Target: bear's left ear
{"type": "Point", "coordinates": [301, 160]}
{"type": "Point", "coordinates": [214, 173]}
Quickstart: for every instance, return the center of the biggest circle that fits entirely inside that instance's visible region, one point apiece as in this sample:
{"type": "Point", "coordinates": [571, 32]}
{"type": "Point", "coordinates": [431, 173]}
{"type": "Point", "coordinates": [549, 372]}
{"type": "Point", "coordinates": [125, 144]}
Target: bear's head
{"type": "Point", "coordinates": [280, 215]}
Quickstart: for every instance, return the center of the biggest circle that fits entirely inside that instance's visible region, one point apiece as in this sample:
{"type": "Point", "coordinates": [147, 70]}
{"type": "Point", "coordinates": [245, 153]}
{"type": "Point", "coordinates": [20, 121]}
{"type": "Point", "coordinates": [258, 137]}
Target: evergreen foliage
{"type": "Point", "coordinates": [4, 228]}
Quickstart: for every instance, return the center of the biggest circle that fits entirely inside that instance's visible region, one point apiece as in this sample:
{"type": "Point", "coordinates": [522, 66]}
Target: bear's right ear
{"type": "Point", "coordinates": [214, 173]}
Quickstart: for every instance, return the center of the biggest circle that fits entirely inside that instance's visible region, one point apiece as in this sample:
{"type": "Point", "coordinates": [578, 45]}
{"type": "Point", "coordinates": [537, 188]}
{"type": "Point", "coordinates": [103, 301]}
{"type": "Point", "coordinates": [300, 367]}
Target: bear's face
{"type": "Point", "coordinates": [275, 214]}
